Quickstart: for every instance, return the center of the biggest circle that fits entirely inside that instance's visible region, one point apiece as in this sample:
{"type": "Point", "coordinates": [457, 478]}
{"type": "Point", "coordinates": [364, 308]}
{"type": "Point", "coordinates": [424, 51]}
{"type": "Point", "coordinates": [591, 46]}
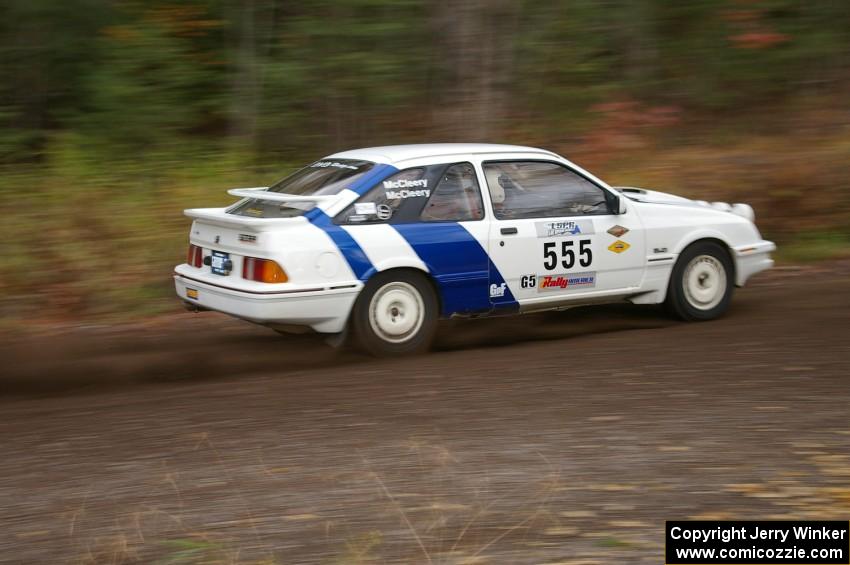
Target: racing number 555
{"type": "Point", "coordinates": [568, 255]}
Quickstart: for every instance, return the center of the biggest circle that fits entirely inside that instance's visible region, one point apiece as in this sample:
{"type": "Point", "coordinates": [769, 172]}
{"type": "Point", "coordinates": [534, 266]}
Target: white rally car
{"type": "Point", "coordinates": [386, 240]}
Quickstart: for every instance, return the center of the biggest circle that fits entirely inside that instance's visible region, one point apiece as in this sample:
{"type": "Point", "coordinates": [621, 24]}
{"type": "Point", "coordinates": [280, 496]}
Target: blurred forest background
{"type": "Point", "coordinates": [114, 116]}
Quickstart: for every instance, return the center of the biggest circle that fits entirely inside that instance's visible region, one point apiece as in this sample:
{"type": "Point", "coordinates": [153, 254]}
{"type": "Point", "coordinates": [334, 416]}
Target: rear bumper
{"type": "Point", "coordinates": [751, 259]}
{"type": "Point", "coordinates": [325, 311]}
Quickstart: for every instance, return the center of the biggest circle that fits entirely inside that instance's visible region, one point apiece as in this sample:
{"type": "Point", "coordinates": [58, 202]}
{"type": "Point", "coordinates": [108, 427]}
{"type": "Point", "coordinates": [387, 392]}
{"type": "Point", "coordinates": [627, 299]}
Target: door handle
{"type": "Point", "coordinates": [508, 231]}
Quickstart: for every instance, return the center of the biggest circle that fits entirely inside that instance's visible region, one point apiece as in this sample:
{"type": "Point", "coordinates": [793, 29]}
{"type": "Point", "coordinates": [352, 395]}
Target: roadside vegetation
{"type": "Point", "coordinates": [116, 117]}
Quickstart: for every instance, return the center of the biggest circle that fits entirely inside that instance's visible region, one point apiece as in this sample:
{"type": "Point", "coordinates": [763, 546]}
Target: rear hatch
{"type": "Point", "coordinates": [226, 240]}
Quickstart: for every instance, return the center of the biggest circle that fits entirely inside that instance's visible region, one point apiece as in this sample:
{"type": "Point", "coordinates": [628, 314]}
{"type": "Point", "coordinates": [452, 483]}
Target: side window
{"type": "Point", "coordinates": [389, 198]}
{"type": "Point", "coordinates": [538, 189]}
{"type": "Point", "coordinates": [456, 197]}
{"type": "Point", "coordinates": [434, 193]}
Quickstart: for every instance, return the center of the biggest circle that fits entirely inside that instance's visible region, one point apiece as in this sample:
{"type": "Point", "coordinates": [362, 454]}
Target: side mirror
{"type": "Point", "coordinates": [619, 205]}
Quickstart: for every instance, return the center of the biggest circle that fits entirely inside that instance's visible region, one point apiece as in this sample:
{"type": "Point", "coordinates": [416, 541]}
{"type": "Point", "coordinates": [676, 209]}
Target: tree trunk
{"type": "Point", "coordinates": [244, 97]}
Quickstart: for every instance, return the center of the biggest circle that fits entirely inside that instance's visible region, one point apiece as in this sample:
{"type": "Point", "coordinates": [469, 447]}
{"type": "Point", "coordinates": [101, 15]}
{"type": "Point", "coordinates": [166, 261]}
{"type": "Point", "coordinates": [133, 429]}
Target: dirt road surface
{"type": "Point", "coordinates": [559, 438]}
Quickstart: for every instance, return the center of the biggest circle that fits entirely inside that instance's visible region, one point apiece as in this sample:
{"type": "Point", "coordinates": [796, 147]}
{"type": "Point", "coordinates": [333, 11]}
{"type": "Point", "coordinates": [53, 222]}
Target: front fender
{"type": "Point", "coordinates": [703, 233]}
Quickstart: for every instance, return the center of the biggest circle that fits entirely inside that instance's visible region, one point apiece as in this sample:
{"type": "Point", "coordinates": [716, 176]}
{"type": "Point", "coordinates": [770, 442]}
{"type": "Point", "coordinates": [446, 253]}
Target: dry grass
{"type": "Point", "coordinates": [97, 241]}
{"type": "Point", "coordinates": [438, 532]}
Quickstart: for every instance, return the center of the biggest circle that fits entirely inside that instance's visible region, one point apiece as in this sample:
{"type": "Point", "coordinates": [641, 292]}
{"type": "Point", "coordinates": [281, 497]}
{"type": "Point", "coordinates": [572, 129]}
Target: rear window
{"type": "Point", "coordinates": [321, 178]}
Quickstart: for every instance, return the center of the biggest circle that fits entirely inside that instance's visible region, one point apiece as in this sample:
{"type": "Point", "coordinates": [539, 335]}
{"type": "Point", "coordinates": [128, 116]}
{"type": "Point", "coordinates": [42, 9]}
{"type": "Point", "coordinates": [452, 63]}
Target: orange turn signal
{"type": "Point", "coordinates": [263, 270]}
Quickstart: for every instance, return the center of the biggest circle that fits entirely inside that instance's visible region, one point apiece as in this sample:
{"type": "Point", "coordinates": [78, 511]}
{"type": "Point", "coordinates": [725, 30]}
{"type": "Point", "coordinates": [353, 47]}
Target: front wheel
{"type": "Point", "coordinates": [702, 282]}
{"type": "Point", "coordinates": [396, 314]}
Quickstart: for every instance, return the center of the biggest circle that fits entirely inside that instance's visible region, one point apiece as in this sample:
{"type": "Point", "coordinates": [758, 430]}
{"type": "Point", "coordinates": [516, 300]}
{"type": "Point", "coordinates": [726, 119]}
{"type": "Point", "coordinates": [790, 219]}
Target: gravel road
{"type": "Point", "coordinates": [554, 438]}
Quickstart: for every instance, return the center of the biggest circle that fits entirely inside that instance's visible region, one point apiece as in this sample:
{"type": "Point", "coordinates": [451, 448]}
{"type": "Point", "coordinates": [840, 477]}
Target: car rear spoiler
{"type": "Point", "coordinates": [262, 193]}
{"type": "Point", "coordinates": [219, 216]}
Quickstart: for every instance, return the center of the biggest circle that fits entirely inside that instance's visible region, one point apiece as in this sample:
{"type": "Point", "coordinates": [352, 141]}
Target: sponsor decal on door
{"type": "Point", "coordinates": [566, 281]}
{"type": "Point", "coordinates": [618, 231]}
{"type": "Point", "coordinates": [618, 246]}
{"type": "Point", "coordinates": [564, 228]}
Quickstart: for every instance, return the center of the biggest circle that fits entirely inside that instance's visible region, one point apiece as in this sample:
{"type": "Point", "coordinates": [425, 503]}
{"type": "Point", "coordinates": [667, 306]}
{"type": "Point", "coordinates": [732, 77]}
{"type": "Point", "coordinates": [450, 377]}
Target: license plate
{"type": "Point", "coordinates": [220, 263]}
{"type": "Point", "coordinates": [192, 293]}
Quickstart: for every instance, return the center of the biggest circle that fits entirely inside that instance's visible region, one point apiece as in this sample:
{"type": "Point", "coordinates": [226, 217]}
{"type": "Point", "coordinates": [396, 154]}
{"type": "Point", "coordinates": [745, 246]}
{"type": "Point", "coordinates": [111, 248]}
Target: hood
{"type": "Point", "coordinates": [655, 197]}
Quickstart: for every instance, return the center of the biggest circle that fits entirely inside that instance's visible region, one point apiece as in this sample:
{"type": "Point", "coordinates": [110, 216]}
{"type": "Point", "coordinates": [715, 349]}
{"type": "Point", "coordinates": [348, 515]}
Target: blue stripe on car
{"type": "Point", "coordinates": [350, 249]}
{"type": "Point", "coordinates": [377, 173]}
{"type": "Point", "coordinates": [462, 268]}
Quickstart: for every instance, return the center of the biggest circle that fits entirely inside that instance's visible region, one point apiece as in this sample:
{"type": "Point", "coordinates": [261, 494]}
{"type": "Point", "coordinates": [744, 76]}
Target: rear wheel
{"type": "Point", "coordinates": [702, 282]}
{"type": "Point", "coordinates": [395, 314]}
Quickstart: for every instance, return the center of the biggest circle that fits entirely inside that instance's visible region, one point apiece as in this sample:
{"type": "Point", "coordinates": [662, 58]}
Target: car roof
{"type": "Point", "coordinates": [392, 154]}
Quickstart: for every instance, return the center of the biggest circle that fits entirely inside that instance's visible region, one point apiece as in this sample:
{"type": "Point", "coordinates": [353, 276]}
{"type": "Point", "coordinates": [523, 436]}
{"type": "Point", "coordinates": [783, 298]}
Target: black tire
{"type": "Point", "coordinates": [381, 308]}
{"type": "Point", "coordinates": [692, 298]}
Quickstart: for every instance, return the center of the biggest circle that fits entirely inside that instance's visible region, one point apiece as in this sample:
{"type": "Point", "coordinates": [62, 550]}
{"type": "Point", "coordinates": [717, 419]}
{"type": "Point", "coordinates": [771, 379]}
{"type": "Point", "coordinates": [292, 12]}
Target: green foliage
{"type": "Point", "coordinates": [158, 83]}
{"type": "Point", "coordinates": [814, 246]}
{"type": "Point", "coordinates": [339, 70]}
{"type": "Point", "coordinates": [47, 51]}
{"type": "Point", "coordinates": [193, 551]}
{"type": "Point", "coordinates": [708, 54]}
{"type": "Point", "coordinates": [282, 78]}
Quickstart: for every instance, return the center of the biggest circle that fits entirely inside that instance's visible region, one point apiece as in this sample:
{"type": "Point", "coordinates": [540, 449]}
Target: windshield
{"type": "Point", "coordinates": [322, 178]}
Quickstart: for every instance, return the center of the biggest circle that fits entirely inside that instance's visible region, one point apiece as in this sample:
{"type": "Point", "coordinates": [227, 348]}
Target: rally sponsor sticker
{"type": "Point", "coordinates": [566, 281]}
{"type": "Point", "coordinates": [564, 228]}
{"type": "Point", "coordinates": [498, 290]}
{"type": "Point", "coordinates": [618, 246]}
{"type": "Point", "coordinates": [618, 231]}
{"type": "Point", "coordinates": [332, 164]}
{"type": "Point", "coordinates": [365, 208]}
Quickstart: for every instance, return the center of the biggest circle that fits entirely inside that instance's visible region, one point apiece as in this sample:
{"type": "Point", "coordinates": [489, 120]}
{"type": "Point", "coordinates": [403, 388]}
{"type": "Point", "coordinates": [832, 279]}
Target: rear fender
{"type": "Point", "coordinates": [397, 263]}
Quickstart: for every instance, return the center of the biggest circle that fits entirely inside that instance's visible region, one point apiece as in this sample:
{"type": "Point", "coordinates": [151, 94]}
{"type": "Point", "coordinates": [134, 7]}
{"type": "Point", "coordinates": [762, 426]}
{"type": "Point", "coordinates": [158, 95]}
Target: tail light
{"type": "Point", "coordinates": [262, 270]}
{"type": "Point", "coordinates": [195, 257]}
